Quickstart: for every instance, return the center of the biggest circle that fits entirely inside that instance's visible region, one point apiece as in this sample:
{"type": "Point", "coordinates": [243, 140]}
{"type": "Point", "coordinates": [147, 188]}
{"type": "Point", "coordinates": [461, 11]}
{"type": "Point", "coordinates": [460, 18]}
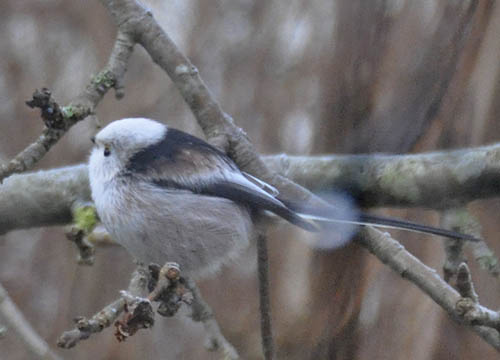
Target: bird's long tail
{"type": "Point", "coordinates": [393, 223]}
{"type": "Point", "coordinates": [333, 215]}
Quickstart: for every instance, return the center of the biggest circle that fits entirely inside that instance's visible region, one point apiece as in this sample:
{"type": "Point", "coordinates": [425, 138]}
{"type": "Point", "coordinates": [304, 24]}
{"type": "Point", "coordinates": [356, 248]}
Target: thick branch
{"type": "Point", "coordinates": [46, 198]}
{"type": "Point", "coordinates": [43, 198]}
{"type": "Point", "coordinates": [436, 180]}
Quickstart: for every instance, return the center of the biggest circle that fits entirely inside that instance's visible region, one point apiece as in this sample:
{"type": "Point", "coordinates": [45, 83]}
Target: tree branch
{"type": "Point", "coordinates": [437, 180]}
{"type": "Point", "coordinates": [17, 322]}
{"type": "Point", "coordinates": [201, 312]}
{"type": "Point", "coordinates": [46, 198]}
{"type": "Point", "coordinates": [104, 318]}
{"type": "Point", "coordinates": [58, 120]}
{"type": "Point", "coordinates": [394, 255]}
{"type": "Point", "coordinates": [265, 298]}
{"type": "Point", "coordinates": [42, 198]}
{"type": "Point", "coordinates": [218, 126]}
{"type": "Point", "coordinates": [166, 286]}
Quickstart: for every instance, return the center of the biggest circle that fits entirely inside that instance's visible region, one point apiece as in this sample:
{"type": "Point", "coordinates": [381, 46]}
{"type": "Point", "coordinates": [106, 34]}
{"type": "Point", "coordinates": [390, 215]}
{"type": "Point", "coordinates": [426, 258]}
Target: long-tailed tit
{"type": "Point", "coordinates": [168, 196]}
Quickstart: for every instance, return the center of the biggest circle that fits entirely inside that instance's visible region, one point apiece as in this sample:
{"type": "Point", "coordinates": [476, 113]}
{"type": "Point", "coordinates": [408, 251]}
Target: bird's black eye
{"type": "Point", "coordinates": [107, 151]}
{"type": "Point", "coordinates": [92, 139]}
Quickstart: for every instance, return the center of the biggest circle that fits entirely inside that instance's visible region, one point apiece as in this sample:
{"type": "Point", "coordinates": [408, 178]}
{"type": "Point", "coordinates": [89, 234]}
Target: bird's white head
{"type": "Point", "coordinates": [116, 143]}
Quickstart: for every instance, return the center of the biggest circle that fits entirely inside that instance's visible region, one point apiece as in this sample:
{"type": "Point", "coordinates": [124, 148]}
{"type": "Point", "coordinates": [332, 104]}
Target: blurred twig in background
{"type": "Point", "coordinates": [18, 323]}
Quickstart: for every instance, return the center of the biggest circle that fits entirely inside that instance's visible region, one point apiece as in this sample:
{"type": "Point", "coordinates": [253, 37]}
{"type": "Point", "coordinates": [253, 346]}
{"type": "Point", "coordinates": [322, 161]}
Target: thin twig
{"type": "Point", "coordinates": [106, 317]}
{"type": "Point", "coordinates": [461, 220]}
{"type": "Point", "coordinates": [100, 237]}
{"type": "Point", "coordinates": [16, 321]}
{"type": "Point", "coordinates": [85, 219]}
{"type": "Point", "coordinates": [468, 307]}
{"type": "Point", "coordinates": [171, 290]}
{"type": "Point", "coordinates": [59, 119]}
{"type": "Point", "coordinates": [464, 283]}
{"type": "Point", "coordinates": [454, 248]}
{"type": "Point", "coordinates": [264, 298]}
{"type": "Point", "coordinates": [202, 312]}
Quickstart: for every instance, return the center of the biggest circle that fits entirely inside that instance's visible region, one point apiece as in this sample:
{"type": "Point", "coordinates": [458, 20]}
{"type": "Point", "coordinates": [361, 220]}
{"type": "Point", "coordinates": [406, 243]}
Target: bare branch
{"type": "Point", "coordinates": [18, 323]}
{"type": "Point", "coordinates": [464, 283]}
{"type": "Point", "coordinates": [203, 313]}
{"type": "Point", "coordinates": [86, 327]}
{"type": "Point", "coordinates": [393, 254]}
{"type": "Point", "coordinates": [486, 258]}
{"type": "Point", "coordinates": [170, 289]}
{"type": "Point", "coordinates": [85, 219]}
{"type": "Point", "coordinates": [43, 198]}
{"type": "Point", "coordinates": [437, 180]}
{"type": "Point", "coordinates": [454, 248]}
{"type": "Point", "coordinates": [104, 318]}
{"type": "Point", "coordinates": [468, 307]}
{"type": "Point", "coordinates": [36, 199]}
{"type": "Point", "coordinates": [58, 120]}
{"type": "Point", "coordinates": [265, 298]}
{"type": "Point", "coordinates": [86, 251]}
{"type": "Point", "coordinates": [166, 286]}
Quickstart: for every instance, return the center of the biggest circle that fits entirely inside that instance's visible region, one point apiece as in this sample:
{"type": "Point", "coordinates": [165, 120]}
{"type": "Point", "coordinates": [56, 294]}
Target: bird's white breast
{"type": "Point", "coordinates": [201, 233]}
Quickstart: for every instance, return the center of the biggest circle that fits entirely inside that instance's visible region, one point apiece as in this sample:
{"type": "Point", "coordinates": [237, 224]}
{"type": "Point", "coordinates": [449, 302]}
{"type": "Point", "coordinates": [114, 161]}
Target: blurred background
{"type": "Point", "coordinates": [301, 77]}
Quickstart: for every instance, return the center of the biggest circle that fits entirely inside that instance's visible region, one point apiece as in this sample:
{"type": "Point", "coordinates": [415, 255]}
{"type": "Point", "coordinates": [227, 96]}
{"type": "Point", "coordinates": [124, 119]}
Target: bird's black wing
{"type": "Point", "coordinates": [185, 162]}
{"type": "Point", "coordinates": [256, 198]}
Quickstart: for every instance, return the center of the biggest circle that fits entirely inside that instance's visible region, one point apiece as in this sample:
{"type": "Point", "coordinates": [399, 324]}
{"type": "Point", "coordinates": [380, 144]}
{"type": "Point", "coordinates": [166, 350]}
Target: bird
{"type": "Point", "coordinates": [166, 195]}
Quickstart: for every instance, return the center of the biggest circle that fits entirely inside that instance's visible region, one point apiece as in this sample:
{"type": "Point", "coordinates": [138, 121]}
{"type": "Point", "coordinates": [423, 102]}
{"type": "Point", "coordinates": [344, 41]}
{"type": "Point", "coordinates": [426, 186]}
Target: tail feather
{"type": "Point", "coordinates": [388, 222]}
{"type": "Point", "coordinates": [332, 215]}
{"type": "Point", "coordinates": [392, 223]}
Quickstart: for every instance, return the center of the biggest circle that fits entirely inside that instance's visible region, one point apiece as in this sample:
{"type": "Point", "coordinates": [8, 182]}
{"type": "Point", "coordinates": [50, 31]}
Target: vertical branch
{"type": "Point", "coordinates": [264, 298]}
